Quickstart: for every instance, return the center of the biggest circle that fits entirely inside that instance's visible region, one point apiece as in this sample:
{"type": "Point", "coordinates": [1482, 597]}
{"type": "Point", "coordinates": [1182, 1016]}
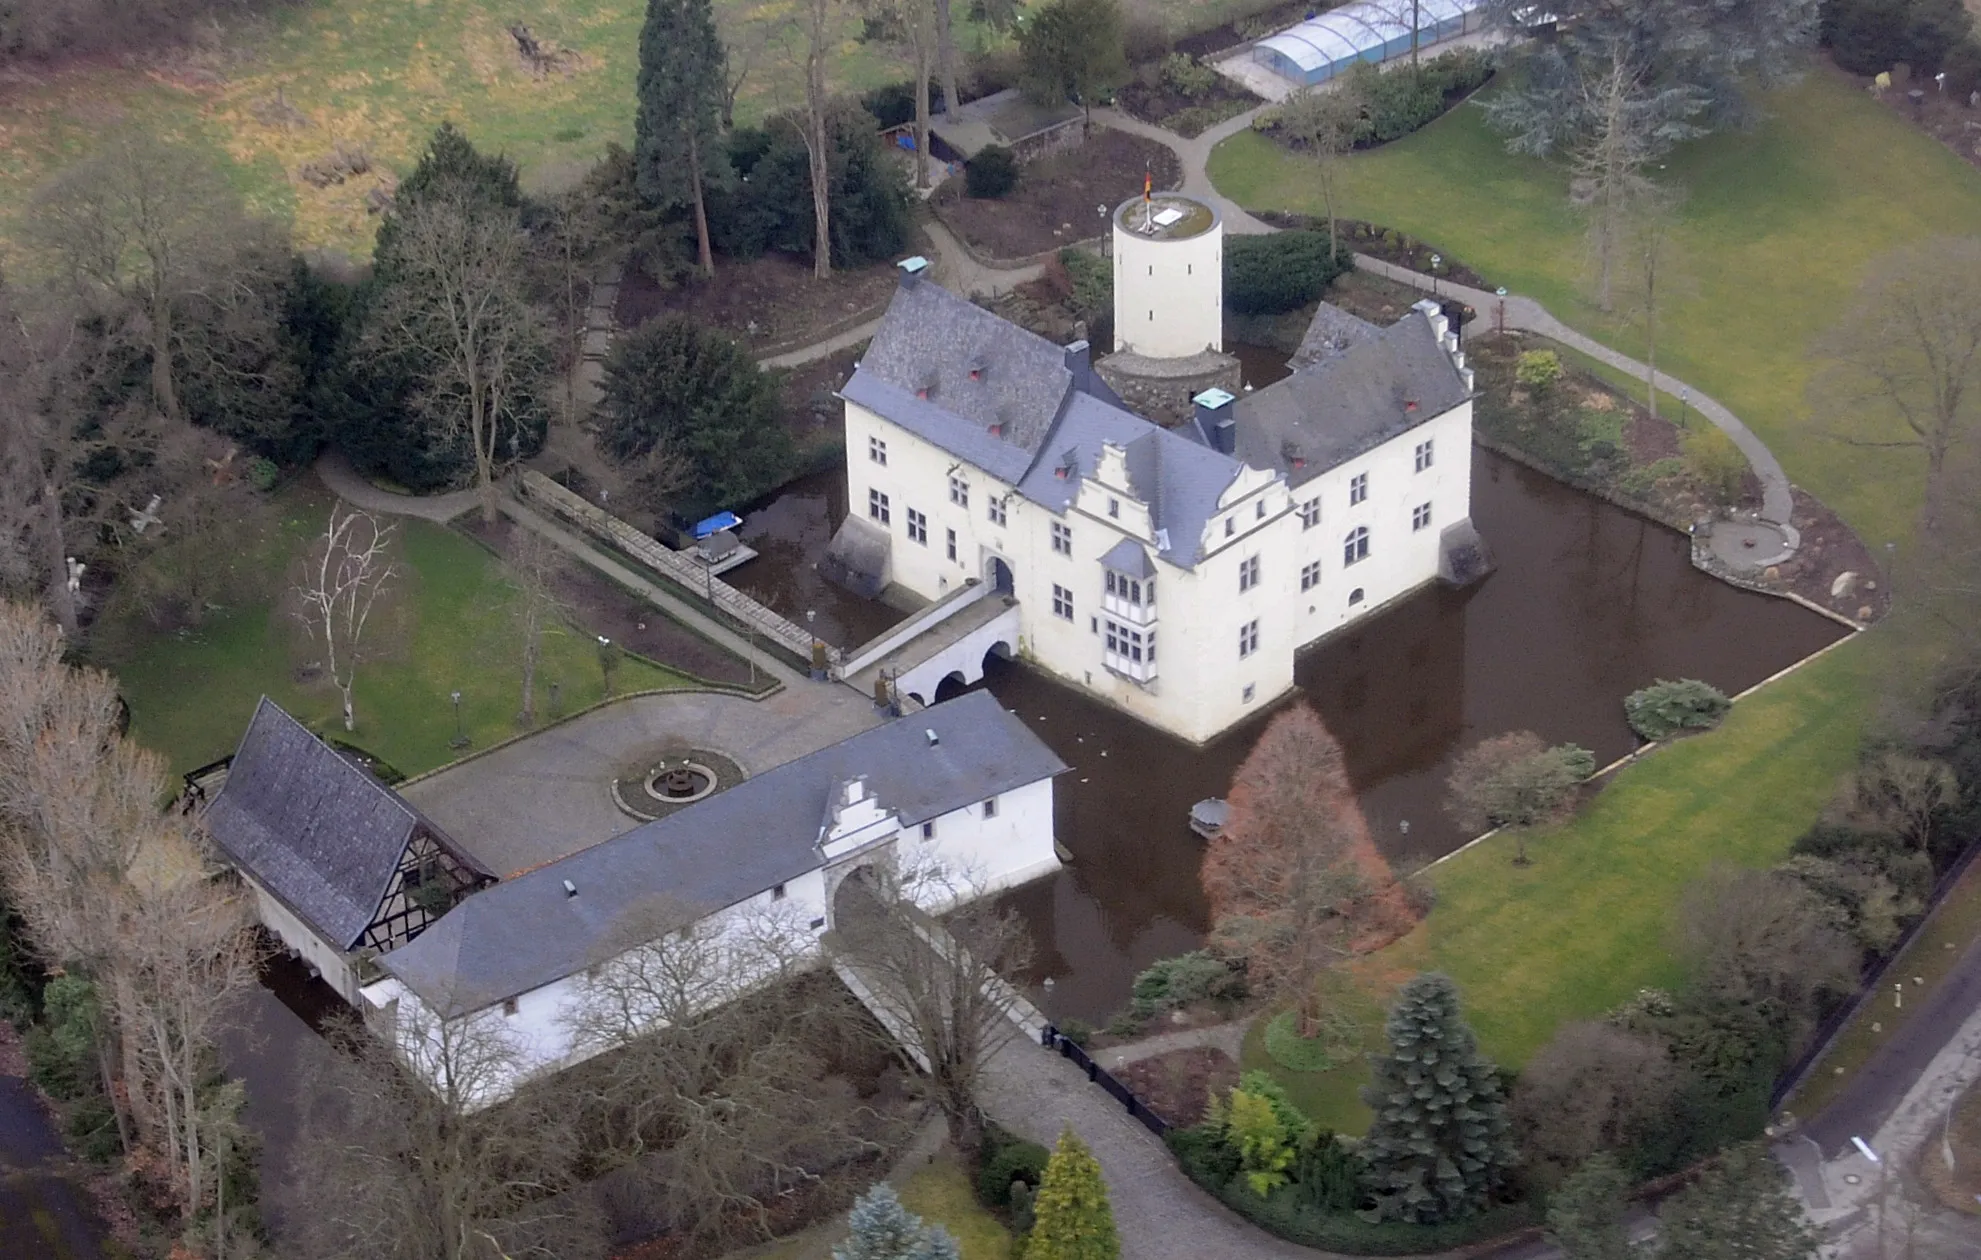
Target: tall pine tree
{"type": "Point", "coordinates": [1073, 1219]}
{"type": "Point", "coordinates": [1439, 1146]}
{"type": "Point", "coordinates": [884, 1230]}
{"type": "Point", "coordinates": [683, 83]}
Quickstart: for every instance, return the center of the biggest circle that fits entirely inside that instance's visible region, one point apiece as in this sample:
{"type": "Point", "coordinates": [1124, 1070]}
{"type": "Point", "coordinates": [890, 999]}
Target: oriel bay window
{"type": "Point", "coordinates": [1133, 599]}
{"type": "Point", "coordinates": [1128, 650]}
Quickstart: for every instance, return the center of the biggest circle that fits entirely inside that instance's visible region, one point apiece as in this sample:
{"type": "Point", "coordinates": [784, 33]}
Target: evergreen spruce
{"type": "Point", "coordinates": [1073, 1219]}
{"type": "Point", "coordinates": [884, 1230]}
{"type": "Point", "coordinates": [1439, 1146]}
{"type": "Point", "coordinates": [677, 130]}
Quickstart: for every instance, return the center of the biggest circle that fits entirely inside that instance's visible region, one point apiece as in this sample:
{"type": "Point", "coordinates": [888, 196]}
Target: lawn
{"type": "Point", "coordinates": [940, 1193]}
{"type": "Point", "coordinates": [382, 74]}
{"type": "Point", "coordinates": [1588, 923]}
{"type": "Point", "coordinates": [1778, 227]}
{"type": "Point", "coordinates": [191, 695]}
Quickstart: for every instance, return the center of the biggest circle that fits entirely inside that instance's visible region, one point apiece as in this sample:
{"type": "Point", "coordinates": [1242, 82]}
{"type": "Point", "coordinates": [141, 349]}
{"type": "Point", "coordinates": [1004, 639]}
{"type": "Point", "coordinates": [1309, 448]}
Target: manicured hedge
{"type": "Point", "coordinates": [1268, 275]}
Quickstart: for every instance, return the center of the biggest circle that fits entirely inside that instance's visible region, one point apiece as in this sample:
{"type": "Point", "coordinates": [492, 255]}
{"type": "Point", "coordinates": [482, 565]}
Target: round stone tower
{"type": "Point", "coordinates": [1168, 306]}
{"type": "Point", "coordinates": [1168, 277]}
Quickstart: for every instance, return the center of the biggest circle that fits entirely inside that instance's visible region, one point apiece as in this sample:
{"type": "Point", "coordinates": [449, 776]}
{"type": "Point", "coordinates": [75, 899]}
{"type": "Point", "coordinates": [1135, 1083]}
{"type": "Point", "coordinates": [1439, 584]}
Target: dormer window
{"type": "Point", "coordinates": [1114, 507]}
{"type": "Point", "coordinates": [997, 430]}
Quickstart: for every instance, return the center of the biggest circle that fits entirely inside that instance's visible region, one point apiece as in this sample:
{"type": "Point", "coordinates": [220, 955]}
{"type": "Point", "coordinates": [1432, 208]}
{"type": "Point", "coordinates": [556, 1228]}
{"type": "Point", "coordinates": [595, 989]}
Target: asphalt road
{"type": "Point", "coordinates": [43, 1213]}
{"type": "Point", "coordinates": [1878, 1087]}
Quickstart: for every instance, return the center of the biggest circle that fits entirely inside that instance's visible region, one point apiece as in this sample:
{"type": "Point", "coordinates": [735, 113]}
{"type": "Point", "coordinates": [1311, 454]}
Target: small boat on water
{"type": "Point", "coordinates": [1207, 817]}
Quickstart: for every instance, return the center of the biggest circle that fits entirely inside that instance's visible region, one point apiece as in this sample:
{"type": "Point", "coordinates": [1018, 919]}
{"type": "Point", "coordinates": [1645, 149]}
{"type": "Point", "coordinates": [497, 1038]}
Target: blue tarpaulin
{"type": "Point", "coordinates": [721, 520]}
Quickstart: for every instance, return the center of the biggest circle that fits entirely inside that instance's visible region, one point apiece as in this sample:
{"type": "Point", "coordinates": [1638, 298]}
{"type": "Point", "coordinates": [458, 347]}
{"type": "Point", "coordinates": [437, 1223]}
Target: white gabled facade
{"type": "Point", "coordinates": [1191, 634]}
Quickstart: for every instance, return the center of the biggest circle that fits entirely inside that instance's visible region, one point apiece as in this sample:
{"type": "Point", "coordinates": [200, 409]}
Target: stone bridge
{"type": "Point", "coordinates": [920, 655]}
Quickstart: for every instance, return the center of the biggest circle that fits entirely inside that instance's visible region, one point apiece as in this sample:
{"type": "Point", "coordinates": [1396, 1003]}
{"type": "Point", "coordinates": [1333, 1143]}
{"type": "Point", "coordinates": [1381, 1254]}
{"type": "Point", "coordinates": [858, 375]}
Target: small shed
{"type": "Point", "coordinates": [1004, 118]}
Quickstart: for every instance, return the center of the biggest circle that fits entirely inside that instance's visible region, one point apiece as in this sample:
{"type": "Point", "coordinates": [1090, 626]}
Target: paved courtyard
{"type": "Point", "coordinates": [547, 796]}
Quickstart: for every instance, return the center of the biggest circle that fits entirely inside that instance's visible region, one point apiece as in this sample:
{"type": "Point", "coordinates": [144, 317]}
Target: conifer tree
{"type": "Point", "coordinates": [1073, 1219]}
{"type": "Point", "coordinates": [684, 76]}
{"type": "Point", "coordinates": [884, 1230]}
{"type": "Point", "coordinates": [1585, 1214]}
{"type": "Point", "coordinates": [1742, 1207]}
{"type": "Point", "coordinates": [1439, 1145]}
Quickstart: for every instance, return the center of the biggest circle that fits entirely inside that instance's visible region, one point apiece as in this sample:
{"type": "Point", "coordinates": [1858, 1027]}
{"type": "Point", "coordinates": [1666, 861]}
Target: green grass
{"type": "Point", "coordinates": [191, 695]}
{"type": "Point", "coordinates": [940, 1194]}
{"type": "Point", "coordinates": [1332, 1099]}
{"type": "Point", "coordinates": [1778, 228]}
{"type": "Point", "coordinates": [383, 74]}
{"type": "Point", "coordinates": [1930, 957]}
{"type": "Point", "coordinates": [1588, 922]}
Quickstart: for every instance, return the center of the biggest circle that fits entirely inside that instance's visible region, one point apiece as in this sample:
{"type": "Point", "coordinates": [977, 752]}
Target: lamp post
{"type": "Point", "coordinates": [818, 649]}
{"type": "Point", "coordinates": [1437, 260]}
{"type": "Point", "coordinates": [460, 739]}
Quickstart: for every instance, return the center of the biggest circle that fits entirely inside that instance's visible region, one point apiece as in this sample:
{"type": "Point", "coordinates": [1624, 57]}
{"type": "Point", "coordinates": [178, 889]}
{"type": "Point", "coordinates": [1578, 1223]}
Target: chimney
{"type": "Point", "coordinates": [934, 739]}
{"type": "Point", "coordinates": [1079, 357]}
{"type": "Point", "coordinates": [1216, 421]}
{"type": "Point", "coordinates": [570, 889]}
{"type": "Point", "coordinates": [911, 270]}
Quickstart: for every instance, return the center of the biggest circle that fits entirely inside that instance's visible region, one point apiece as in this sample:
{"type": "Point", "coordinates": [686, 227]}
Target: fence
{"type": "Point", "coordinates": [1053, 1039]}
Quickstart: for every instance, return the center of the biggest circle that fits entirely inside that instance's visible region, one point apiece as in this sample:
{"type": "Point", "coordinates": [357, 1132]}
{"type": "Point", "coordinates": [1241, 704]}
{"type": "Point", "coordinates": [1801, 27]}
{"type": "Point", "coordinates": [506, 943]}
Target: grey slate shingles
{"type": "Point", "coordinates": [526, 932]}
{"type": "Point", "coordinates": [310, 826]}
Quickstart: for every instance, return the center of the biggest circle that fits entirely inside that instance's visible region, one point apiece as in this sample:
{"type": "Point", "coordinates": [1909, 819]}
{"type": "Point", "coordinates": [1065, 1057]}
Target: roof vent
{"type": "Point", "coordinates": [570, 889]}
{"type": "Point", "coordinates": [934, 739]}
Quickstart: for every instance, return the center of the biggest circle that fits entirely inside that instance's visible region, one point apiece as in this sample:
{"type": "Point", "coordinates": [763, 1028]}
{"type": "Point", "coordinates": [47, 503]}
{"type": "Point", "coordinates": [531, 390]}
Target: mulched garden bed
{"type": "Point", "coordinates": [602, 607]}
{"type": "Point", "coordinates": [1179, 1085]}
{"type": "Point", "coordinates": [1242, 30]}
{"type": "Point", "coordinates": [1187, 116]}
{"type": "Point", "coordinates": [765, 302]}
{"type": "Point", "coordinates": [1057, 195]}
{"type": "Point", "coordinates": [1387, 244]}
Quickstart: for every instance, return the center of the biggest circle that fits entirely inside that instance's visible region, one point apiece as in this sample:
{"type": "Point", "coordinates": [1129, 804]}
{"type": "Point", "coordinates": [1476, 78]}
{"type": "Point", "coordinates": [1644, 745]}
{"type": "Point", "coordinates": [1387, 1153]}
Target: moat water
{"type": "Point", "coordinates": [1587, 603]}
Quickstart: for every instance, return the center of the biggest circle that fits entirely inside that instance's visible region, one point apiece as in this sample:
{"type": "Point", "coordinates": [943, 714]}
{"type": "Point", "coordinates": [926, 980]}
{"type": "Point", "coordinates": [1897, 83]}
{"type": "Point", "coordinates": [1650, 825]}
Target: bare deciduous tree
{"type": "Point", "coordinates": [1609, 158]}
{"type": "Point", "coordinates": [1324, 122]}
{"type": "Point", "coordinates": [1899, 795]}
{"type": "Point", "coordinates": [1294, 882]}
{"type": "Point", "coordinates": [1755, 936]}
{"type": "Point", "coordinates": [346, 571]}
{"type": "Point", "coordinates": [463, 299]}
{"type": "Point", "coordinates": [1650, 269]}
{"type": "Point", "coordinates": [535, 565]}
{"type": "Point", "coordinates": [920, 29]}
{"type": "Point", "coordinates": [1593, 1088]}
{"type": "Point", "coordinates": [809, 40]}
{"type": "Point", "coordinates": [415, 1171]}
{"type": "Point", "coordinates": [945, 984]}
{"type": "Point", "coordinates": [1909, 348]}
{"type": "Point", "coordinates": [1515, 780]}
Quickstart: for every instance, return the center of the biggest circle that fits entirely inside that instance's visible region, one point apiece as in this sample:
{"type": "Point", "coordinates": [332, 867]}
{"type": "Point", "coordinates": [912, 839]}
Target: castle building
{"type": "Point", "coordinates": [1173, 572]}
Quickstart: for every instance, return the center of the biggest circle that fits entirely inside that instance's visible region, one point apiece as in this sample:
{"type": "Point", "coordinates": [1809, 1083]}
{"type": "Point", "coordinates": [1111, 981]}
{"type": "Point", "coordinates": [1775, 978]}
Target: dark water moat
{"type": "Point", "coordinates": [1588, 603]}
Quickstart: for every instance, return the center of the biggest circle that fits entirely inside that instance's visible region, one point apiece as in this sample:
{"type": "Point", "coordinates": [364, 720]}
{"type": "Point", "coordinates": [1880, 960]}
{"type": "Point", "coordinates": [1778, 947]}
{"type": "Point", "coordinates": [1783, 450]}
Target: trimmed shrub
{"type": "Point", "coordinates": [1538, 371]}
{"type": "Point", "coordinates": [1328, 1174]}
{"type": "Point", "coordinates": [1338, 1040]}
{"type": "Point", "coordinates": [1187, 76]}
{"type": "Point", "coordinates": [1394, 105]}
{"type": "Point", "coordinates": [1089, 284]}
{"type": "Point", "coordinates": [1206, 1157]}
{"type": "Point", "coordinates": [1269, 275]}
{"type": "Point", "coordinates": [1007, 1159]}
{"type": "Point", "coordinates": [1665, 708]}
{"type": "Point", "coordinates": [1198, 976]}
{"type": "Point", "coordinates": [1715, 463]}
{"type": "Point", "coordinates": [993, 173]}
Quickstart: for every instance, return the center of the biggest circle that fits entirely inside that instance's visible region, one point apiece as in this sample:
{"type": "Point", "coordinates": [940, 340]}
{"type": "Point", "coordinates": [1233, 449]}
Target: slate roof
{"type": "Point", "coordinates": [311, 826]}
{"type": "Point", "coordinates": [1054, 418]}
{"type": "Point", "coordinates": [1128, 556]}
{"type": "Point", "coordinates": [1331, 332]}
{"type": "Point", "coordinates": [1353, 402]}
{"type": "Point", "coordinates": [525, 933]}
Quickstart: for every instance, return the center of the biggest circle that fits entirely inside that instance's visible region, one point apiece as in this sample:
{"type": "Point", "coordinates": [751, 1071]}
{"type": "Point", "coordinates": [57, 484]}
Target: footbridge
{"type": "Point", "coordinates": [948, 639]}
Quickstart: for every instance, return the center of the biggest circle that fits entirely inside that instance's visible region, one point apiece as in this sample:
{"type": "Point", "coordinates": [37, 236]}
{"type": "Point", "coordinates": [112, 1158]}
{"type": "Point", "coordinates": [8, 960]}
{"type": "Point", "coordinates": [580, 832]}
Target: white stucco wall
{"type": "Point", "coordinates": [329, 961]}
{"type": "Point", "coordinates": [977, 855]}
{"type": "Point", "coordinates": [1168, 294]}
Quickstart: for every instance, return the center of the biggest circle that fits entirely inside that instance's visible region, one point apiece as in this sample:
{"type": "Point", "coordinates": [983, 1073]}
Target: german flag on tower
{"type": "Point", "coordinates": [1148, 184]}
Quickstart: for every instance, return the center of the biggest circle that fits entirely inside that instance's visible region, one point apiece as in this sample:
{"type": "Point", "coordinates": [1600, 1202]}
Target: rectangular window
{"type": "Point", "coordinates": [918, 527]}
{"type": "Point", "coordinates": [508, 1006]}
{"type": "Point", "coordinates": [877, 450]}
{"type": "Point", "coordinates": [1310, 576]}
{"type": "Point", "coordinates": [928, 830]}
{"type": "Point", "coordinates": [1062, 602]}
{"type": "Point", "coordinates": [1114, 507]}
{"type": "Point", "coordinates": [1130, 651]}
{"type": "Point", "coordinates": [1230, 526]}
{"type": "Point", "coordinates": [1358, 488]}
{"type": "Point", "coordinates": [952, 544]}
{"type": "Point", "coordinates": [959, 492]}
{"type": "Point", "coordinates": [1310, 513]}
{"type": "Point", "coordinates": [1420, 516]}
{"type": "Point", "coordinates": [777, 892]}
{"type": "Point", "coordinates": [990, 808]}
{"type": "Point", "coordinates": [1062, 538]}
{"type": "Point", "coordinates": [1423, 455]}
{"type": "Point", "coordinates": [877, 507]}
{"type": "Point", "coordinates": [1259, 510]}
{"type": "Point", "coordinates": [1248, 639]}
{"type": "Point", "coordinates": [1248, 574]}
{"type": "Point", "coordinates": [1251, 689]}
{"type": "Point", "coordinates": [996, 511]}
